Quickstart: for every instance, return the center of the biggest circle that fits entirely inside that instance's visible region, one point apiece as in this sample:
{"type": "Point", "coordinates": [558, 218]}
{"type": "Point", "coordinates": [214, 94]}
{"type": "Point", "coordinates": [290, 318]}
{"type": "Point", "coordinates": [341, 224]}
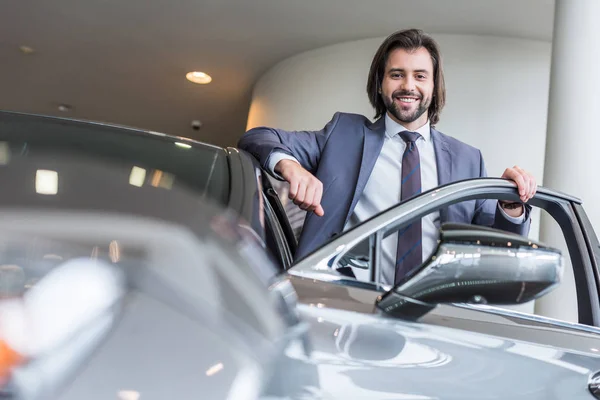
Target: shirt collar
{"type": "Point", "coordinates": [392, 128]}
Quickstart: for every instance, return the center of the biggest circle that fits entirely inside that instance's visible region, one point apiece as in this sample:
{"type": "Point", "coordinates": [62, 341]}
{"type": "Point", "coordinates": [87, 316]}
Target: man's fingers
{"type": "Point", "coordinates": [305, 190]}
{"type": "Point", "coordinates": [319, 211]}
{"type": "Point", "coordinates": [531, 183]}
{"type": "Point", "coordinates": [300, 195]}
{"type": "Point", "coordinates": [525, 181]}
{"type": "Point", "coordinates": [515, 176]}
{"type": "Point", "coordinates": [316, 203]}
{"type": "Point", "coordinates": [293, 190]}
{"type": "Point", "coordinates": [533, 186]}
{"type": "Point", "coordinates": [312, 200]}
{"type": "Point", "coordinates": [318, 197]}
{"type": "Point", "coordinates": [308, 204]}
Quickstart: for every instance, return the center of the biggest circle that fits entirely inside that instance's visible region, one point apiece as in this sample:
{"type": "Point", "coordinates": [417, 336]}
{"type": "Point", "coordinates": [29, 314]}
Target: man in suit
{"type": "Point", "coordinates": [352, 168]}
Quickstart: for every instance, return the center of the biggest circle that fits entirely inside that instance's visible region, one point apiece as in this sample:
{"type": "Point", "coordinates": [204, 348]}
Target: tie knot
{"type": "Point", "coordinates": [409, 137]}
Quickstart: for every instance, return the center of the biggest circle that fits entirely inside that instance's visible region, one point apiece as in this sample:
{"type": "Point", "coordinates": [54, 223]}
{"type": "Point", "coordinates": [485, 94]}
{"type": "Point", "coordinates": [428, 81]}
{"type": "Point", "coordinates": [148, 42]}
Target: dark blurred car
{"type": "Point", "coordinates": [121, 272]}
{"type": "Point", "coordinates": [186, 300]}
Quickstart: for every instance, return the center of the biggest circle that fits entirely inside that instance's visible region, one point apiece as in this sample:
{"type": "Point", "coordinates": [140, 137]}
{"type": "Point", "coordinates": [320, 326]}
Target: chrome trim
{"type": "Point", "coordinates": [531, 317]}
{"type": "Point", "coordinates": [334, 277]}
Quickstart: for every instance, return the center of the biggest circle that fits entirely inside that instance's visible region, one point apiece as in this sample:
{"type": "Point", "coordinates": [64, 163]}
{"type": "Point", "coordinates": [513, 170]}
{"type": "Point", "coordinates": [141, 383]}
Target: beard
{"type": "Point", "coordinates": [406, 116]}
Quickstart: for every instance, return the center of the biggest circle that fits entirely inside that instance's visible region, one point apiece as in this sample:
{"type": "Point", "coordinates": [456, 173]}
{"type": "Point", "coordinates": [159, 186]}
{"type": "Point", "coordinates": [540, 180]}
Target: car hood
{"type": "Point", "coordinates": [357, 355]}
{"type": "Point", "coordinates": [358, 352]}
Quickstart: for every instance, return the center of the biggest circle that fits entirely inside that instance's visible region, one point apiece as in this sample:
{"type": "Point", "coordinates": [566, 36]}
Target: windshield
{"type": "Point", "coordinates": [151, 159]}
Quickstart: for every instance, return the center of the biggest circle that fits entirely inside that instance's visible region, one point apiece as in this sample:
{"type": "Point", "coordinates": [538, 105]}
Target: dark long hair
{"type": "Point", "coordinates": [410, 40]}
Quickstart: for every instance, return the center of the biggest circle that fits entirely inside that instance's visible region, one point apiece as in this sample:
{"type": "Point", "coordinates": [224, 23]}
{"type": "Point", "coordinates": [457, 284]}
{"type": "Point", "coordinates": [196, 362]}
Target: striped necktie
{"type": "Point", "coordinates": [409, 254]}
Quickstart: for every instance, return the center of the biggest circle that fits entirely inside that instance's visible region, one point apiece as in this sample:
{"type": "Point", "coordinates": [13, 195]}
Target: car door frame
{"type": "Point", "coordinates": [253, 197]}
{"type": "Point", "coordinates": [582, 242]}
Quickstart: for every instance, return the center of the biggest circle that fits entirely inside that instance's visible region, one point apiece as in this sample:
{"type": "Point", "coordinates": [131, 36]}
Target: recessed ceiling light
{"type": "Point", "coordinates": [198, 77]}
{"type": "Point", "coordinates": [64, 108]}
{"type": "Point", "coordinates": [26, 49]}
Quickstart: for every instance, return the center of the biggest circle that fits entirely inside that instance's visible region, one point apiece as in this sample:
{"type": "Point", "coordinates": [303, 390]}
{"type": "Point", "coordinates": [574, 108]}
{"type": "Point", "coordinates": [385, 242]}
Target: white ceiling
{"type": "Point", "coordinates": [124, 61]}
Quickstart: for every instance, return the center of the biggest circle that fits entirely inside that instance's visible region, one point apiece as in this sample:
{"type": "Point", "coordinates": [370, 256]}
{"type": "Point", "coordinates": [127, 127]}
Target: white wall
{"type": "Point", "coordinates": [497, 95]}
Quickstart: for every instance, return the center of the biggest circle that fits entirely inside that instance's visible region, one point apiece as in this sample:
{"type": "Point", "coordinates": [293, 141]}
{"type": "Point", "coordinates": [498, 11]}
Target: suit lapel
{"type": "Point", "coordinates": [443, 158]}
{"type": "Point", "coordinates": [373, 138]}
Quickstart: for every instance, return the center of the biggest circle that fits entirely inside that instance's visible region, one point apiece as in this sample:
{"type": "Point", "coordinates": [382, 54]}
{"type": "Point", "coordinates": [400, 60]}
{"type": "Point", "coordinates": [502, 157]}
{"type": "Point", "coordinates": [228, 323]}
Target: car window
{"type": "Point", "coordinates": [153, 159]}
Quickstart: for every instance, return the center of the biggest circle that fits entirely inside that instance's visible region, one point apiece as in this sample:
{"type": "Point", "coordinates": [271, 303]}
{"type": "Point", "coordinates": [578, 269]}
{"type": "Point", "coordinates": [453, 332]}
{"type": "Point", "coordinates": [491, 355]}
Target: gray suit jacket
{"type": "Point", "coordinates": [342, 156]}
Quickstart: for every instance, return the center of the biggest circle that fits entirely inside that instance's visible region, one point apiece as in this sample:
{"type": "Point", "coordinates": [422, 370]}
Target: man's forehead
{"type": "Point", "coordinates": [412, 59]}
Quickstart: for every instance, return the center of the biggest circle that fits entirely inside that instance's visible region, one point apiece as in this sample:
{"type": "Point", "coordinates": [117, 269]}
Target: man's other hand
{"type": "Point", "coordinates": [526, 183]}
{"type": "Point", "coordinates": [305, 189]}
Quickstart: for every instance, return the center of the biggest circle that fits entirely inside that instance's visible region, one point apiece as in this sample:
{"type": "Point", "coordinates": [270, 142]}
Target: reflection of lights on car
{"type": "Point", "coordinates": [66, 302]}
{"type": "Point", "coordinates": [128, 395]}
{"type": "Point", "coordinates": [46, 182]}
{"type": "Point", "coordinates": [4, 153]}
{"type": "Point", "coordinates": [137, 176]}
{"type": "Point", "coordinates": [114, 251]}
{"type": "Point", "coordinates": [214, 369]}
{"type": "Point", "coordinates": [95, 252]}
{"type": "Point", "coordinates": [161, 179]}
{"type": "Point", "coordinates": [369, 345]}
{"type": "Point", "coordinates": [183, 145]}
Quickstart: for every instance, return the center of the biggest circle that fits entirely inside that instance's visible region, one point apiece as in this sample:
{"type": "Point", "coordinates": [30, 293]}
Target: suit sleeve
{"type": "Point", "coordinates": [487, 212]}
{"type": "Point", "coordinates": [305, 146]}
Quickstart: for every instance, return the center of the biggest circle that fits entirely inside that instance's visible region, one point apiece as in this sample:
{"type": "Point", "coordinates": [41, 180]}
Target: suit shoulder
{"type": "Point", "coordinates": [357, 119]}
{"type": "Point", "coordinates": [459, 146]}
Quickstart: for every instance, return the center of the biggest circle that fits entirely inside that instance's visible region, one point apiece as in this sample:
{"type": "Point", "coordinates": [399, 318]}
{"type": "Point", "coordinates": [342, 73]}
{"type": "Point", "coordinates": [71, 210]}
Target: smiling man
{"type": "Point", "coordinates": [353, 169]}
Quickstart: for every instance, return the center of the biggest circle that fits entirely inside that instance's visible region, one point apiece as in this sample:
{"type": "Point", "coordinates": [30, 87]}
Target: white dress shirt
{"type": "Point", "coordinates": [387, 173]}
{"type": "Point", "coordinates": [382, 191]}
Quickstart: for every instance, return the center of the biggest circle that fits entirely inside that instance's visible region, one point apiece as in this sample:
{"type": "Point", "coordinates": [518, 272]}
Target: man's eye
{"type": "Point", "coordinates": [421, 76]}
{"type": "Point", "coordinates": [396, 75]}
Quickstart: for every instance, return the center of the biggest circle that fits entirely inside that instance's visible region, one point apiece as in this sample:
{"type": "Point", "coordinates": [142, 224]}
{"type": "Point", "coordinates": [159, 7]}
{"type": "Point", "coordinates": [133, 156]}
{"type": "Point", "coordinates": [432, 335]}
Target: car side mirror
{"type": "Point", "coordinates": [480, 265]}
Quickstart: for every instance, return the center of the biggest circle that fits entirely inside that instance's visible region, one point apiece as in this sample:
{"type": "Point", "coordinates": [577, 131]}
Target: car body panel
{"type": "Point", "coordinates": [365, 356]}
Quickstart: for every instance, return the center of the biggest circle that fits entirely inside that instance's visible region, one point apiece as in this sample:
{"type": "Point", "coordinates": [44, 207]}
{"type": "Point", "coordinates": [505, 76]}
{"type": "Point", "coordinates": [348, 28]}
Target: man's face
{"type": "Point", "coordinates": [407, 86]}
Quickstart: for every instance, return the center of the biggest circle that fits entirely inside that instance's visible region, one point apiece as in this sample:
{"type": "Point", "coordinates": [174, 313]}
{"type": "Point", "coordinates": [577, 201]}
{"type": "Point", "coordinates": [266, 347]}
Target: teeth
{"type": "Point", "coordinates": [407, 100]}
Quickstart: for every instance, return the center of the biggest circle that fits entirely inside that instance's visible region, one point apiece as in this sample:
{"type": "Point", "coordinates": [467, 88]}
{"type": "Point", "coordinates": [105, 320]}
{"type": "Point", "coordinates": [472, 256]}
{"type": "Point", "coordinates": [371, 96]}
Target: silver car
{"type": "Point", "coordinates": [190, 301]}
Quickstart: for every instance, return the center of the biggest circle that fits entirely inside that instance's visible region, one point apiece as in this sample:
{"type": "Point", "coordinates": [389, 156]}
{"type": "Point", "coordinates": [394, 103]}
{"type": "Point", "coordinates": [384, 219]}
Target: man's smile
{"type": "Point", "coordinates": [406, 100]}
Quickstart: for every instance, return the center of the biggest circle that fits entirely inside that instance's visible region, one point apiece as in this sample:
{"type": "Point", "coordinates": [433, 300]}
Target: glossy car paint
{"type": "Point", "coordinates": [491, 353]}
